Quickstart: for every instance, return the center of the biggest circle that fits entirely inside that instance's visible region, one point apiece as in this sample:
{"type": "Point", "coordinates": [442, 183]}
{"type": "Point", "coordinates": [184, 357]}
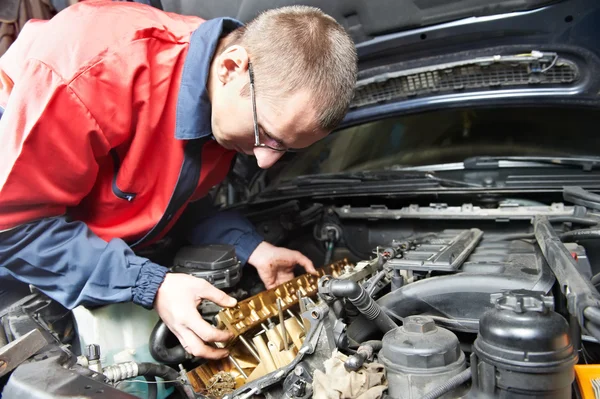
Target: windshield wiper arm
{"type": "Point", "coordinates": [373, 177]}
{"type": "Point", "coordinates": [587, 163]}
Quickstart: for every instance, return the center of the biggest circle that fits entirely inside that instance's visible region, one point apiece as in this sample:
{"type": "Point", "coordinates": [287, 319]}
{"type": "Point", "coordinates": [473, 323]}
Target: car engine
{"type": "Point", "coordinates": [451, 302]}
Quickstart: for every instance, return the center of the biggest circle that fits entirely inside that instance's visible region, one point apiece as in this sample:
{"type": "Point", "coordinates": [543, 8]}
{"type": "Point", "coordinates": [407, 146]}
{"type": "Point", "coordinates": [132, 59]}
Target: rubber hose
{"type": "Point", "coordinates": [375, 344]}
{"type": "Point", "coordinates": [164, 372]}
{"type": "Point", "coordinates": [449, 385]}
{"type": "Point", "coordinates": [595, 279]}
{"type": "Point", "coordinates": [158, 347]}
{"type": "Point", "coordinates": [574, 219]}
{"type": "Point", "coordinates": [582, 234]}
{"type": "Point", "coordinates": [592, 314]}
{"type": "Point", "coordinates": [360, 299]}
{"type": "Point", "coordinates": [356, 360]}
{"type": "Point", "coordinates": [152, 387]}
{"type": "Point", "coordinates": [374, 281]}
{"type": "Point", "coordinates": [158, 370]}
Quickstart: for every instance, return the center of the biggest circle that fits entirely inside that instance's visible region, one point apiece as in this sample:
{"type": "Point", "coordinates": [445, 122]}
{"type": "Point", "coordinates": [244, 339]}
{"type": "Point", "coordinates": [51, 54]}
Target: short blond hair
{"type": "Point", "coordinates": [302, 47]}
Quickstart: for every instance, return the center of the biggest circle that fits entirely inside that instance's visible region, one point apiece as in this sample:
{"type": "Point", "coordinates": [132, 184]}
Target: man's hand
{"type": "Point", "coordinates": [275, 265]}
{"type": "Point", "coordinates": [176, 301]}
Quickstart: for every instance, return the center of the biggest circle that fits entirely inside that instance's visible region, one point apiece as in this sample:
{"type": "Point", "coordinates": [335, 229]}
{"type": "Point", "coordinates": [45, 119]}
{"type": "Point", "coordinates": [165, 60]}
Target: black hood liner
{"type": "Point", "coordinates": [364, 19]}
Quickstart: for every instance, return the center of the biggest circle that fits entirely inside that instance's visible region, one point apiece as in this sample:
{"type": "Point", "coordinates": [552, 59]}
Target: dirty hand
{"type": "Point", "coordinates": [176, 302]}
{"type": "Point", "coordinates": [275, 265]}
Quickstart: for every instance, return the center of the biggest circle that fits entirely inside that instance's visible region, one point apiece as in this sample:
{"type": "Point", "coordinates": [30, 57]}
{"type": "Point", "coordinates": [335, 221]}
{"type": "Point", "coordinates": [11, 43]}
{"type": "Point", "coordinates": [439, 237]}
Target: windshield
{"type": "Point", "coordinates": [450, 136]}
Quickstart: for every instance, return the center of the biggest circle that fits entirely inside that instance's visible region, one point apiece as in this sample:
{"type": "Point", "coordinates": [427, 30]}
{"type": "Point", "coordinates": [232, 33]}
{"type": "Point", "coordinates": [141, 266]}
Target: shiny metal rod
{"type": "Point", "coordinates": [237, 366]}
{"type": "Point", "coordinates": [250, 348]}
{"type": "Point", "coordinates": [284, 335]}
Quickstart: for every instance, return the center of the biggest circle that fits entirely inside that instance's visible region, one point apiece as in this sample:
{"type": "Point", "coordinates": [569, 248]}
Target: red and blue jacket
{"type": "Point", "coordinates": [105, 139]}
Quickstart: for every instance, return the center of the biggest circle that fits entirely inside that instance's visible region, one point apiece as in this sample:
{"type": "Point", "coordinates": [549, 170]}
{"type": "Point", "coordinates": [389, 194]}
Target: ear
{"type": "Point", "coordinates": [232, 63]}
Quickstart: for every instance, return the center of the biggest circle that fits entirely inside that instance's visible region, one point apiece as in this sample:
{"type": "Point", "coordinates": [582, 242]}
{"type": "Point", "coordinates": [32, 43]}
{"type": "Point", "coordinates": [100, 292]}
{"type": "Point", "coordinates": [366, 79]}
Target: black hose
{"type": "Point", "coordinates": [375, 344]}
{"type": "Point", "coordinates": [331, 287]}
{"type": "Point", "coordinates": [582, 234]}
{"type": "Point", "coordinates": [595, 279]}
{"type": "Point", "coordinates": [152, 388]}
{"type": "Point", "coordinates": [374, 281]}
{"type": "Point", "coordinates": [164, 372]}
{"type": "Point", "coordinates": [355, 361]}
{"type": "Point", "coordinates": [579, 234]}
{"type": "Point", "coordinates": [157, 370]}
{"type": "Point", "coordinates": [158, 346]}
{"type": "Point", "coordinates": [449, 385]}
{"type": "Point", "coordinates": [574, 219]}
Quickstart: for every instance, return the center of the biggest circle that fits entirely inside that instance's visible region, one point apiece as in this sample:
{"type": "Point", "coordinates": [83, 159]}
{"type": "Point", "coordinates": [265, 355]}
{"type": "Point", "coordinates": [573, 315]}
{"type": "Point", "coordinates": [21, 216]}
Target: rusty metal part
{"type": "Point", "coordinates": [221, 384]}
{"type": "Point", "coordinates": [16, 352]}
{"type": "Point", "coordinates": [253, 311]}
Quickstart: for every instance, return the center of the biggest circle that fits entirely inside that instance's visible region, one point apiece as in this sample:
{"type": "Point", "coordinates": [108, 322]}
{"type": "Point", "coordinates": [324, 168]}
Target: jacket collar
{"type": "Point", "coordinates": [193, 119]}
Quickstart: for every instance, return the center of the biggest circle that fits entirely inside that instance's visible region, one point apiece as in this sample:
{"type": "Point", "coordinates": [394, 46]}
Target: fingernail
{"type": "Point", "coordinates": [232, 301]}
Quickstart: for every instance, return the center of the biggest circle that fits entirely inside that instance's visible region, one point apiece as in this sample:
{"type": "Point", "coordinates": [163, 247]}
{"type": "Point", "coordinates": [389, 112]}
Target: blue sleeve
{"type": "Point", "coordinates": [227, 227]}
{"type": "Point", "coordinates": [73, 266]}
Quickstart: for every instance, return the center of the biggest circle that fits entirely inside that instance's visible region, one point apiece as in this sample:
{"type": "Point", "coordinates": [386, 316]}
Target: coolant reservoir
{"type": "Point", "coordinates": [122, 330]}
{"type": "Point", "coordinates": [420, 356]}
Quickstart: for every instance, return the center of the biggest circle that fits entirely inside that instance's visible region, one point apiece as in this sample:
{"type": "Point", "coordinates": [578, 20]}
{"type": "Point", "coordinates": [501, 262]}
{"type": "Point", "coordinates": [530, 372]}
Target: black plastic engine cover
{"type": "Point", "coordinates": [218, 264]}
{"type": "Point", "coordinates": [460, 299]}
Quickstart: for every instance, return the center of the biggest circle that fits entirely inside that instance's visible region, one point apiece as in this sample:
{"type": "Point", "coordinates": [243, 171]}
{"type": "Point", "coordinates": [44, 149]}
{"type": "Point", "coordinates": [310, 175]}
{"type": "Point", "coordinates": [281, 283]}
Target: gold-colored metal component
{"type": "Point", "coordinates": [252, 311]}
{"type": "Point", "coordinates": [295, 330]}
{"type": "Point", "coordinates": [263, 346]}
{"type": "Point", "coordinates": [284, 335]}
{"type": "Point", "coordinates": [249, 347]}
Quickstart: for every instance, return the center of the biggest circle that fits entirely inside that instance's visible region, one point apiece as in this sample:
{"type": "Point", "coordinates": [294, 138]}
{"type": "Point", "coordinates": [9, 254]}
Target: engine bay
{"type": "Point", "coordinates": [414, 302]}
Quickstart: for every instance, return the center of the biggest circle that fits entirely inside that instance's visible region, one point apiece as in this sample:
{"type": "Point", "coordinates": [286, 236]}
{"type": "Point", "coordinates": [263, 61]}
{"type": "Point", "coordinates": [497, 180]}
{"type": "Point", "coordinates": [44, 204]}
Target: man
{"type": "Point", "coordinates": [117, 116]}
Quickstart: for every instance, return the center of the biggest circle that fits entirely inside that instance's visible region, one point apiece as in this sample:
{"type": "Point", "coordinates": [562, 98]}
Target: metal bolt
{"type": "Point", "coordinates": [298, 371]}
{"type": "Point", "coordinates": [417, 324]}
{"type": "Point", "coordinates": [299, 388]}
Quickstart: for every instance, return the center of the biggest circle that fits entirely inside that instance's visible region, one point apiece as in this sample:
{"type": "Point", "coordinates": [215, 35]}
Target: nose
{"type": "Point", "coordinates": [266, 157]}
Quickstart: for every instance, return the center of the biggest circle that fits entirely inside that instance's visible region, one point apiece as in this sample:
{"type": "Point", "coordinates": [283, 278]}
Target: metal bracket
{"type": "Point", "coordinates": [21, 349]}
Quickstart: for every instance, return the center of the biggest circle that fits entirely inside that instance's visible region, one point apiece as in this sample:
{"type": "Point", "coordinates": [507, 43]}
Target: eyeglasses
{"type": "Point", "coordinates": [257, 143]}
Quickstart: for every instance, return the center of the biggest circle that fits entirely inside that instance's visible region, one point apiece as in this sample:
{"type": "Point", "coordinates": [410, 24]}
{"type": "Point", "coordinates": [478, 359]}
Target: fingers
{"type": "Point", "coordinates": [194, 345]}
{"type": "Point", "coordinates": [208, 291]}
{"type": "Point", "coordinates": [305, 263]}
{"type": "Point", "coordinates": [207, 332]}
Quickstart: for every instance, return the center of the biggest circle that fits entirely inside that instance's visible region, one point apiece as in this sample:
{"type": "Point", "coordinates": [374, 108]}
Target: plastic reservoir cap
{"type": "Point", "coordinates": [585, 373]}
{"type": "Point", "coordinates": [420, 344]}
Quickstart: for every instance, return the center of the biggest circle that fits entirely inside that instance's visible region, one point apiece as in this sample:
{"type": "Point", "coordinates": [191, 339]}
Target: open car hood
{"type": "Point", "coordinates": [416, 55]}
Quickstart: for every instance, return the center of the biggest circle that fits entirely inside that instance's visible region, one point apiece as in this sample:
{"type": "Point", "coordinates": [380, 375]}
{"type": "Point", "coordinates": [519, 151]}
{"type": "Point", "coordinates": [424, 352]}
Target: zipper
{"type": "Point", "coordinates": [189, 175]}
{"type": "Point", "coordinates": [116, 190]}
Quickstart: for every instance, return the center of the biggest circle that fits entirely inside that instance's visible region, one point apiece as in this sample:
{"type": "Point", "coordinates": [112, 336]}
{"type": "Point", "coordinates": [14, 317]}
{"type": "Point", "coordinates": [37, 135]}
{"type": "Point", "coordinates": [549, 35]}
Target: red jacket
{"type": "Point", "coordinates": [105, 137]}
{"type": "Point", "coordinates": [86, 108]}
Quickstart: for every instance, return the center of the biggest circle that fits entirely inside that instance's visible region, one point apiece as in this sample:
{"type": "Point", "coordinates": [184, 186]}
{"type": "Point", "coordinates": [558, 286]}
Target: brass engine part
{"type": "Point", "coordinates": [260, 340]}
{"type": "Point", "coordinates": [252, 311]}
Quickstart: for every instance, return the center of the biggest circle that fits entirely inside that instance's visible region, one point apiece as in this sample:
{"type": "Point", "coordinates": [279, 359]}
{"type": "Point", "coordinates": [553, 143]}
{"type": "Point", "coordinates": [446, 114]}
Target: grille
{"type": "Point", "coordinates": [467, 77]}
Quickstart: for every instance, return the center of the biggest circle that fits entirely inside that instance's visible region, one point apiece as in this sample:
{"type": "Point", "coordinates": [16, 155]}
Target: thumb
{"type": "Point", "coordinates": [208, 291]}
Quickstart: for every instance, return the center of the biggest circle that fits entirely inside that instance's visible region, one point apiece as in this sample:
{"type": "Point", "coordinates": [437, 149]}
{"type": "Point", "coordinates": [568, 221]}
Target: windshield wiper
{"type": "Point", "coordinates": [586, 163]}
{"type": "Point", "coordinates": [349, 178]}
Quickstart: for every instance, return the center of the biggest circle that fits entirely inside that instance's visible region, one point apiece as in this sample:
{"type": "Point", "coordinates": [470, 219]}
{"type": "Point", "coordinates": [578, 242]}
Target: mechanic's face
{"type": "Point", "coordinates": [286, 123]}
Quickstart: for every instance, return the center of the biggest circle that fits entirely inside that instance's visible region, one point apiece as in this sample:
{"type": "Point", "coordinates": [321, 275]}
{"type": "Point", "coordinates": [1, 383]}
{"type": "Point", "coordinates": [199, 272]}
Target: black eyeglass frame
{"type": "Point", "coordinates": [257, 142]}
